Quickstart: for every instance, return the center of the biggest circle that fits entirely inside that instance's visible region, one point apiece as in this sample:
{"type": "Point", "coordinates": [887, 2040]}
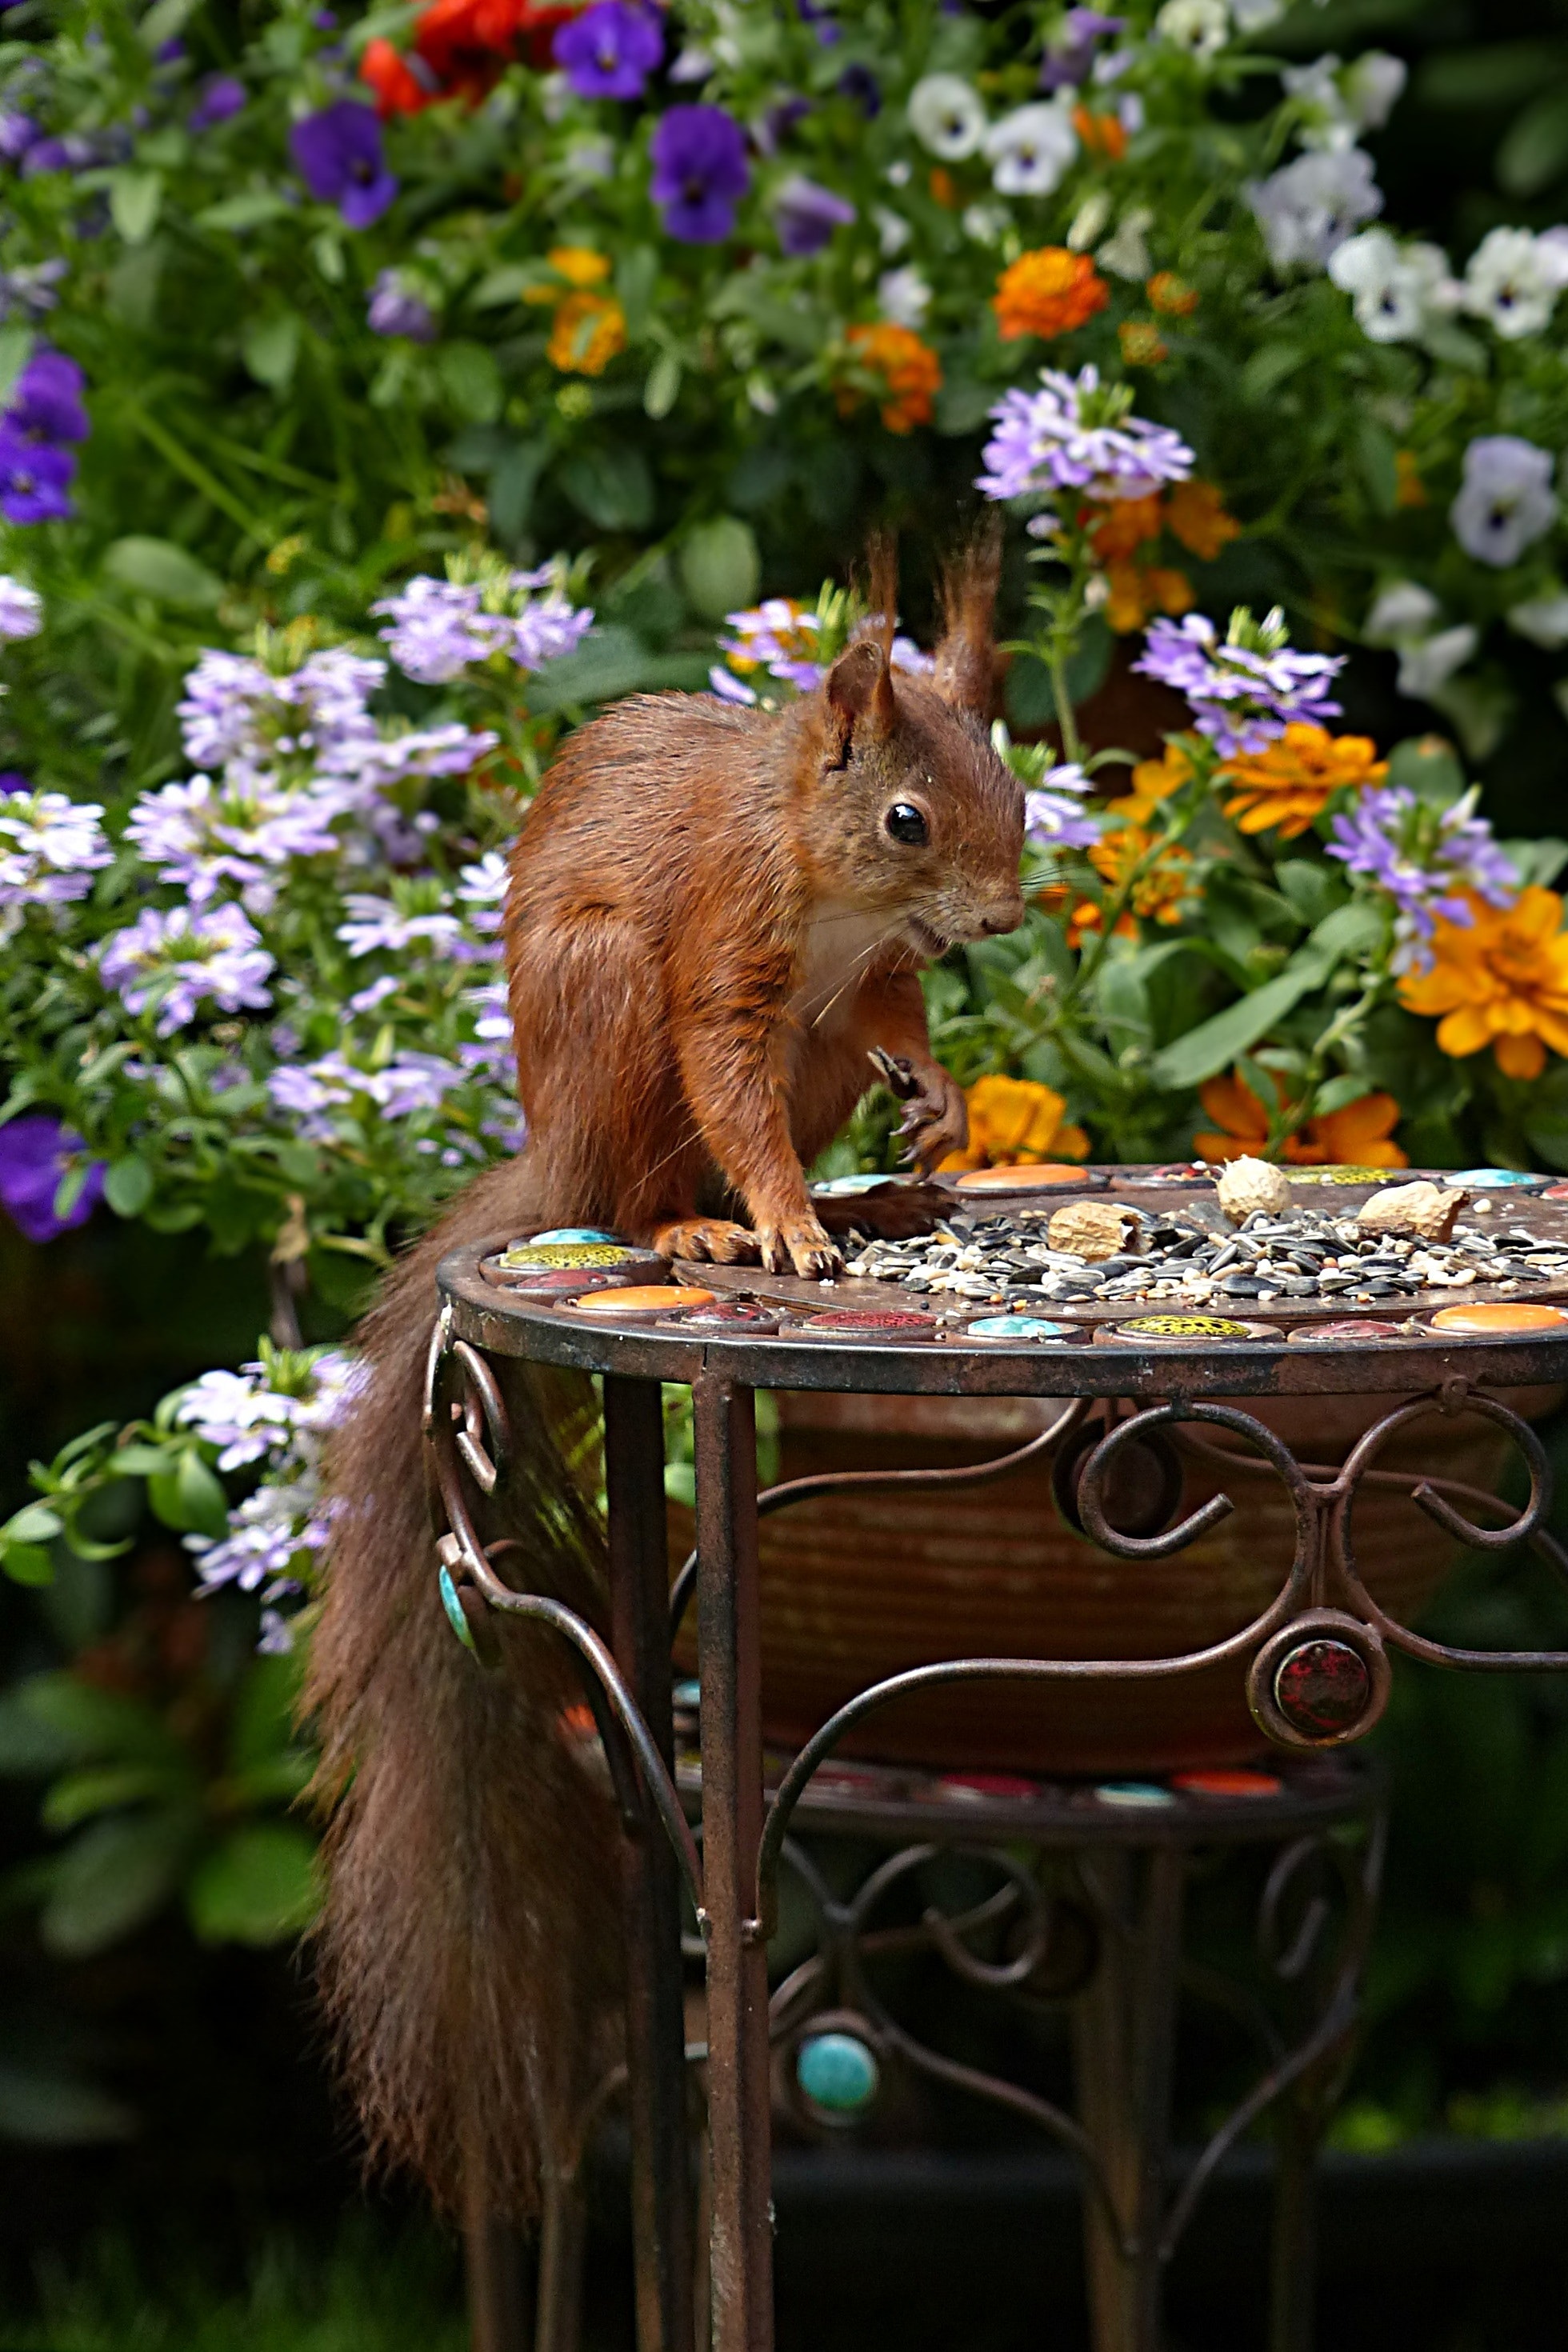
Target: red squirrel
{"type": "Point", "coordinates": [714, 914]}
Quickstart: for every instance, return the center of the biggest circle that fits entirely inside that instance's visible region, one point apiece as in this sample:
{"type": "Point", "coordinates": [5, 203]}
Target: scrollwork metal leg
{"type": "Point", "coordinates": [738, 2027]}
{"type": "Point", "coordinates": [656, 2092]}
{"type": "Point", "coordinates": [1124, 2025]}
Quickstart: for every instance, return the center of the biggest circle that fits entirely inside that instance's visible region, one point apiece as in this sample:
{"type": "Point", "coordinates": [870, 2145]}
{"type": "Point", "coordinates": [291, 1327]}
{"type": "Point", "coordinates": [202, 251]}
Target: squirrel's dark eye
{"type": "Point", "coordinates": [906, 823]}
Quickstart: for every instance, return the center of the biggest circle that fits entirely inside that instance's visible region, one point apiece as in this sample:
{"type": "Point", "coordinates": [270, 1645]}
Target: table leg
{"type": "Point", "coordinates": [729, 1661]}
{"type": "Point", "coordinates": [656, 2032]}
{"type": "Point", "coordinates": [497, 2267]}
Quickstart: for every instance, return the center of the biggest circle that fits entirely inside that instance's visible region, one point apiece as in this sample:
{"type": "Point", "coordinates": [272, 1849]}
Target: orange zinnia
{"type": "Point", "coordinates": [1102, 134]}
{"type": "Point", "coordinates": [1013, 1122]}
{"type": "Point", "coordinates": [1355, 1137]}
{"type": "Point", "coordinates": [1160, 894]}
{"type": "Point", "coordinates": [1049, 292]}
{"type": "Point", "coordinates": [1172, 294]}
{"type": "Point", "coordinates": [1143, 345]}
{"type": "Point", "coordinates": [1195, 513]}
{"type": "Point", "coordinates": [1136, 591]}
{"type": "Point", "coordinates": [1154, 780]}
{"type": "Point", "coordinates": [910, 372]}
{"type": "Point", "coordinates": [1124, 524]}
{"type": "Point", "coordinates": [1286, 786]}
{"type": "Point", "coordinates": [1500, 981]}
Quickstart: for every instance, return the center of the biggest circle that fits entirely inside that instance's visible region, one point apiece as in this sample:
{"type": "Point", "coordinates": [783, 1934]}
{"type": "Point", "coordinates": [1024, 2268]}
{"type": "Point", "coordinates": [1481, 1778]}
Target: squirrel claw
{"type": "Point", "coordinates": [802, 1247]}
{"type": "Point", "coordinates": [710, 1241]}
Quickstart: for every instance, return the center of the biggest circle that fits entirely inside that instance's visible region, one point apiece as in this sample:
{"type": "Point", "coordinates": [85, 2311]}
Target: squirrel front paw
{"type": "Point", "coordinates": [936, 1119]}
{"type": "Point", "coordinates": [711, 1241]}
{"type": "Point", "coordinates": [801, 1246]}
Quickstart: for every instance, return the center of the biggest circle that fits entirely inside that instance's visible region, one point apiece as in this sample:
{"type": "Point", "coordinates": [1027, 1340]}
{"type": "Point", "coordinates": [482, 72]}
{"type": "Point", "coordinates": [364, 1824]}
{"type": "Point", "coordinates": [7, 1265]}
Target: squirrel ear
{"type": "Point", "coordinates": [963, 658]}
{"type": "Point", "coordinates": [858, 697]}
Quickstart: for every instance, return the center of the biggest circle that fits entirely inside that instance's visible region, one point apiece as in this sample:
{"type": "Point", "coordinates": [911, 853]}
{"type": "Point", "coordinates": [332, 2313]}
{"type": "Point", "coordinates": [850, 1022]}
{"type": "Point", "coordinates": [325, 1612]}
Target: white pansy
{"type": "Point", "coordinates": [946, 116]}
{"type": "Point", "coordinates": [899, 173]}
{"type": "Point", "coordinates": [1308, 208]}
{"type": "Point", "coordinates": [1431, 662]}
{"type": "Point", "coordinates": [1514, 279]}
{"type": "Point", "coordinates": [1029, 150]}
{"type": "Point", "coordinates": [1126, 255]}
{"type": "Point", "coordinates": [1202, 27]}
{"type": "Point", "coordinates": [1373, 85]}
{"type": "Point", "coordinates": [1254, 15]}
{"type": "Point", "coordinates": [1089, 219]}
{"type": "Point", "coordinates": [693, 65]}
{"type": "Point", "coordinates": [1326, 120]}
{"type": "Point", "coordinates": [1401, 611]}
{"type": "Point", "coordinates": [985, 224]}
{"type": "Point", "coordinates": [1505, 502]}
{"type": "Point", "coordinates": [892, 230]}
{"type": "Point", "coordinates": [1543, 619]}
{"type": "Point", "coordinates": [903, 296]}
{"type": "Point", "coordinates": [1397, 290]}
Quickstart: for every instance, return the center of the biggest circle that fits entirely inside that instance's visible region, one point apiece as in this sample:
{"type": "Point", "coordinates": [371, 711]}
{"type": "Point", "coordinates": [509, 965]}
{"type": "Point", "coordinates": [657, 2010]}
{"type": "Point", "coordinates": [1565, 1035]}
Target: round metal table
{"type": "Point", "coordinates": [1315, 1663]}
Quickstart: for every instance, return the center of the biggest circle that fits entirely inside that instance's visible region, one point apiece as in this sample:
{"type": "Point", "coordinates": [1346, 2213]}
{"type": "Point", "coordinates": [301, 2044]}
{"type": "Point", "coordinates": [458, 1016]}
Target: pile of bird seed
{"type": "Point", "coordinates": [1296, 1257]}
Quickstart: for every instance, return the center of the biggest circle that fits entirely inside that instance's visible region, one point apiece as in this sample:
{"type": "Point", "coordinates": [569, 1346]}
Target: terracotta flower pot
{"type": "Point", "coordinates": [858, 1586]}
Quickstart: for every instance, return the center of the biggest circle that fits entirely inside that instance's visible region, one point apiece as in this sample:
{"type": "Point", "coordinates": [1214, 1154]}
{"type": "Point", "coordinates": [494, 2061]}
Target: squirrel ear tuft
{"type": "Point", "coordinates": [858, 697]}
{"type": "Point", "coordinates": [965, 657]}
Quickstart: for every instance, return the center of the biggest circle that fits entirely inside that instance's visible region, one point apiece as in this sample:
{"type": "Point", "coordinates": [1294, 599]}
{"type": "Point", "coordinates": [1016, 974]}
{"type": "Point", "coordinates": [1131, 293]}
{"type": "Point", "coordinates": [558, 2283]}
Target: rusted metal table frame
{"type": "Point", "coordinates": [1322, 1599]}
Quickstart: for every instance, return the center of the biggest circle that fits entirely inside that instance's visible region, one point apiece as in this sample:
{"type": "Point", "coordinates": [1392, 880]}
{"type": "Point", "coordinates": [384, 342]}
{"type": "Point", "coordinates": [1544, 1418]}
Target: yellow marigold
{"type": "Point", "coordinates": [1143, 345]}
{"type": "Point", "coordinates": [1500, 981]}
{"type": "Point", "coordinates": [1357, 1135]}
{"type": "Point", "coordinates": [1195, 513]}
{"type": "Point", "coordinates": [1285, 787]}
{"type": "Point", "coordinates": [1013, 1122]}
{"type": "Point", "coordinates": [1047, 292]}
{"type": "Point", "coordinates": [1409, 489]}
{"type": "Point", "coordinates": [585, 334]}
{"type": "Point", "coordinates": [1136, 591]}
{"type": "Point", "coordinates": [1172, 294]}
{"type": "Point", "coordinates": [1124, 524]}
{"type": "Point", "coordinates": [910, 372]}
{"type": "Point", "coordinates": [1102, 134]}
{"type": "Point", "coordinates": [1160, 894]}
{"type": "Point", "coordinates": [1153, 780]}
{"type": "Point", "coordinates": [579, 265]}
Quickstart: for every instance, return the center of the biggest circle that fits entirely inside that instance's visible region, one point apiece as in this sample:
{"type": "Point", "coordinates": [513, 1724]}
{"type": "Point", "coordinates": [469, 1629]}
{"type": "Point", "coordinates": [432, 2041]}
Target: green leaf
{"type": "Point", "coordinates": [128, 1186]}
{"type": "Point", "coordinates": [1499, 73]}
{"type": "Point", "coordinates": [190, 1497]}
{"type": "Point", "coordinates": [662, 389]}
{"type": "Point", "coordinates": [606, 664]}
{"type": "Point", "coordinates": [28, 1564]}
{"type": "Point", "coordinates": [1348, 1087]}
{"type": "Point", "coordinates": [34, 1523]}
{"type": "Point", "coordinates": [1377, 458]}
{"type": "Point", "coordinates": [57, 2110]}
{"type": "Point", "coordinates": [1535, 151]}
{"type": "Point", "coordinates": [29, 1744]}
{"type": "Point", "coordinates": [1266, 370]}
{"type": "Point", "coordinates": [260, 1886]}
{"type": "Point", "coordinates": [637, 275]}
{"type": "Point", "coordinates": [1428, 766]}
{"type": "Point", "coordinates": [156, 567]}
{"type": "Point", "coordinates": [15, 348]}
{"type": "Point", "coordinates": [512, 488]}
{"type": "Point", "coordinates": [164, 19]}
{"type": "Point", "coordinates": [263, 1722]}
{"type": "Point", "coordinates": [85, 1722]}
{"type": "Point", "coordinates": [270, 347]}
{"type": "Point", "coordinates": [1539, 861]}
{"type": "Point", "coordinates": [143, 1461]}
{"type": "Point", "coordinates": [79, 1795]}
{"type": "Point", "coordinates": [472, 380]}
{"type": "Point", "coordinates": [249, 210]}
{"type": "Point", "coordinates": [135, 199]}
{"type": "Point", "coordinates": [508, 284]}
{"type": "Point", "coordinates": [1352, 929]}
{"type": "Point", "coordinates": [611, 485]}
{"type": "Point", "coordinates": [721, 568]}
{"type": "Point", "coordinates": [1214, 1046]}
{"type": "Point", "coordinates": [1312, 889]}
{"type": "Point", "coordinates": [112, 1879]}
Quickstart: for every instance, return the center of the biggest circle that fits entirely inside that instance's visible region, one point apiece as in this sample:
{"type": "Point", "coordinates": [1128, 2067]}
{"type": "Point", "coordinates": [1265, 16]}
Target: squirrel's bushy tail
{"type": "Point", "coordinates": [468, 1929]}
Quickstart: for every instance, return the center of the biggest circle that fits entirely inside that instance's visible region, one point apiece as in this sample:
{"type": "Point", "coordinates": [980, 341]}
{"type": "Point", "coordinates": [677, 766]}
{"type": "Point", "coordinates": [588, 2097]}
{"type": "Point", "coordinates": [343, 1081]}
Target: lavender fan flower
{"type": "Point", "coordinates": [1054, 815]}
{"type": "Point", "coordinates": [777, 636]}
{"type": "Point", "coordinates": [21, 609]}
{"type": "Point", "coordinates": [439, 626]}
{"type": "Point", "coordinates": [376, 924]}
{"type": "Point", "coordinates": [1075, 434]}
{"type": "Point", "coordinates": [178, 961]}
{"type": "Point", "coordinates": [238, 831]}
{"type": "Point", "coordinates": [1245, 691]}
{"type": "Point", "coordinates": [610, 49]}
{"type": "Point", "coordinates": [339, 157]}
{"type": "Point", "coordinates": [235, 709]}
{"type": "Point", "coordinates": [1506, 501]}
{"type": "Point", "coordinates": [805, 216]}
{"type": "Point", "coordinates": [1424, 857]}
{"type": "Point", "coordinates": [36, 1153]}
{"type": "Point", "coordinates": [50, 848]}
{"type": "Point", "coordinates": [699, 173]}
{"type": "Point", "coordinates": [395, 309]}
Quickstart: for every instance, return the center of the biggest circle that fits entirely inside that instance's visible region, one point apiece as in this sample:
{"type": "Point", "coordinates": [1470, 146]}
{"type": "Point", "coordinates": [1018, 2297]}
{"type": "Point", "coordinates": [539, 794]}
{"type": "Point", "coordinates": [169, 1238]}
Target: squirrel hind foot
{"type": "Point", "coordinates": [802, 1247]}
{"type": "Point", "coordinates": [710, 1241]}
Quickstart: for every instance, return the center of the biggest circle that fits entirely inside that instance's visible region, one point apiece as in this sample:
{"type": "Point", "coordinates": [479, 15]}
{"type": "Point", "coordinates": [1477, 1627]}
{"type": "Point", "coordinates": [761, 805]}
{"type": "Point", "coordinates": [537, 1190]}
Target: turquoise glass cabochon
{"type": "Point", "coordinates": [576, 1233]}
{"type": "Point", "coordinates": [838, 2073]}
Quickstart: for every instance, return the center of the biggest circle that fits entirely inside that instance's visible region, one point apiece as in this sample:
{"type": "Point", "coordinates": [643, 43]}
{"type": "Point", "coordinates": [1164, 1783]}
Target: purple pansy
{"type": "Point", "coordinates": [340, 158]}
{"type": "Point", "coordinates": [18, 132]}
{"type": "Point", "coordinates": [33, 479]}
{"type": "Point", "coordinates": [807, 214]}
{"type": "Point", "coordinates": [47, 403]}
{"type": "Point", "coordinates": [699, 173]}
{"type": "Point", "coordinates": [220, 99]}
{"type": "Point", "coordinates": [1423, 856]}
{"type": "Point", "coordinates": [1245, 689]}
{"type": "Point", "coordinates": [1069, 53]}
{"type": "Point", "coordinates": [35, 1153]}
{"type": "Point", "coordinates": [859, 83]}
{"type": "Point", "coordinates": [610, 49]}
{"type": "Point", "coordinates": [21, 613]}
{"type": "Point", "coordinates": [395, 310]}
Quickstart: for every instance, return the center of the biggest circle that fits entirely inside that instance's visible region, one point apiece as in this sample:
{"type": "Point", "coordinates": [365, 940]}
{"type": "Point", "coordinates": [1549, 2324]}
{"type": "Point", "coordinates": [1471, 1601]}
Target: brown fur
{"type": "Point", "coordinates": [707, 926]}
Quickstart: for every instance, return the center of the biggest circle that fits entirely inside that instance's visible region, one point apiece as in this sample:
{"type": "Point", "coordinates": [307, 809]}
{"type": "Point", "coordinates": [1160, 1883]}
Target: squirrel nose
{"type": "Point", "coordinates": [1004, 918]}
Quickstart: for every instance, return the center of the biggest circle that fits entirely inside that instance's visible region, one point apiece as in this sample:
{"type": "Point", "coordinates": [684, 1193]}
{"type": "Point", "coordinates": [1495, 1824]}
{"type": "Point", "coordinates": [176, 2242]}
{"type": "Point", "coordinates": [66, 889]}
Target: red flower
{"type": "Point", "coordinates": [459, 47]}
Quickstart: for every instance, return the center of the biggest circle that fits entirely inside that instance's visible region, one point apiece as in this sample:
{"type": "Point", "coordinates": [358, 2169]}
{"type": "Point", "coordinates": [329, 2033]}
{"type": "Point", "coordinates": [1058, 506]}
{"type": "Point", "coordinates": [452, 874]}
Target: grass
{"type": "Point", "coordinates": [370, 2292]}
